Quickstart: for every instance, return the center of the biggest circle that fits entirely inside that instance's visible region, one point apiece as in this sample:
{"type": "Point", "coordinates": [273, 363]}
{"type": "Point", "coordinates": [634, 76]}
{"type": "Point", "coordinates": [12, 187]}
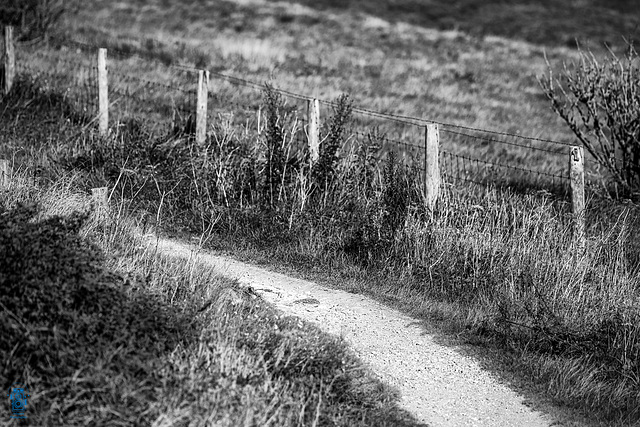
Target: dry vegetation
{"type": "Point", "coordinates": [105, 331]}
{"type": "Point", "coordinates": [498, 267]}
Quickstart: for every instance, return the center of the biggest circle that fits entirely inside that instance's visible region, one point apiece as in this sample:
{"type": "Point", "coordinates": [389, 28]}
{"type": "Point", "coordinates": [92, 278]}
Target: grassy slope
{"type": "Point", "coordinates": [497, 250]}
{"type": "Point", "coordinates": [400, 68]}
{"type": "Point", "coordinates": [105, 331]}
{"type": "Point", "coordinates": [544, 22]}
{"type": "Point", "coordinates": [436, 60]}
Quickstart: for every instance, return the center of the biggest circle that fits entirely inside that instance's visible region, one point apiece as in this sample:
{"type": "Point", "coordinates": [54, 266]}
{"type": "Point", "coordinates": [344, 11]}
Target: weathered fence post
{"type": "Point", "coordinates": [576, 175]}
{"type": "Point", "coordinates": [100, 200]}
{"type": "Point", "coordinates": [9, 60]}
{"type": "Point", "coordinates": [259, 120]}
{"type": "Point", "coordinates": [313, 137]}
{"type": "Point", "coordinates": [431, 165]}
{"type": "Point", "coordinates": [99, 195]}
{"type": "Point", "coordinates": [201, 108]}
{"type": "Point", "coordinates": [5, 173]}
{"type": "Point", "coordinates": [103, 93]}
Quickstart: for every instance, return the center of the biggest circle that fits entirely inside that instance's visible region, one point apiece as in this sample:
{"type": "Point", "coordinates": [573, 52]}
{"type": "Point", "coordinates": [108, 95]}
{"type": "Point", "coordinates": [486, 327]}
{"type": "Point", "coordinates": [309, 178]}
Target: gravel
{"type": "Point", "coordinates": [437, 384]}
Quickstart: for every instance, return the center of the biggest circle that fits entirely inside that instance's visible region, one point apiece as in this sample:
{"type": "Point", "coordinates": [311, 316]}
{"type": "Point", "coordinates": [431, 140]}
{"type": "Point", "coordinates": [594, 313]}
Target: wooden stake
{"type": "Point", "coordinates": [259, 119]}
{"type": "Point", "coordinates": [576, 175]}
{"type": "Point", "coordinates": [313, 118]}
{"type": "Point", "coordinates": [103, 93]}
{"type": "Point", "coordinates": [201, 109]}
{"type": "Point", "coordinates": [431, 165]}
{"type": "Point", "coordinates": [5, 173]}
{"type": "Point", "coordinates": [100, 199]}
{"type": "Point", "coordinates": [9, 60]}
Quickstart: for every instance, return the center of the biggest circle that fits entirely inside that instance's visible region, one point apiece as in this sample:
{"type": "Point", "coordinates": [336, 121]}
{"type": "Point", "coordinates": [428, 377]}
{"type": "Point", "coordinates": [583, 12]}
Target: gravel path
{"type": "Point", "coordinates": [438, 385]}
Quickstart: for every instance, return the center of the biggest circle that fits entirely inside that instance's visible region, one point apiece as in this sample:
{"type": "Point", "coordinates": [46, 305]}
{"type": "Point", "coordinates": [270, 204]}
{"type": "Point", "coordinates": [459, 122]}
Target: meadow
{"type": "Point", "coordinates": [494, 266]}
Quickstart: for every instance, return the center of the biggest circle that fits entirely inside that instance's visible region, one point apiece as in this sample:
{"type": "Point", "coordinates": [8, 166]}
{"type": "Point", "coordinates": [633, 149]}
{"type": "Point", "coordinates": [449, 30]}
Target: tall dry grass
{"type": "Point", "coordinates": [497, 263]}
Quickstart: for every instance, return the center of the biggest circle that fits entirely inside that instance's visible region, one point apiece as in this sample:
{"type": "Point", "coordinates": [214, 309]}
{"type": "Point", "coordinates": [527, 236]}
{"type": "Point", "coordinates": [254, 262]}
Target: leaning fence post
{"type": "Point", "coordinates": [5, 173]}
{"type": "Point", "coordinates": [431, 166]}
{"type": "Point", "coordinates": [9, 59]}
{"type": "Point", "coordinates": [201, 108]}
{"type": "Point", "coordinates": [576, 175]}
{"type": "Point", "coordinates": [103, 93]}
{"type": "Point", "coordinates": [313, 137]}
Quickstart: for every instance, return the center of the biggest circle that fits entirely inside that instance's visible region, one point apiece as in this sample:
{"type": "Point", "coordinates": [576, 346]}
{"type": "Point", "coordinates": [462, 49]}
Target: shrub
{"type": "Point", "coordinates": [600, 101]}
{"type": "Point", "coordinates": [396, 194]}
{"type": "Point", "coordinates": [34, 18]}
{"type": "Point", "coordinates": [274, 139]}
{"type": "Point", "coordinates": [324, 169]}
{"type": "Point", "coordinates": [374, 209]}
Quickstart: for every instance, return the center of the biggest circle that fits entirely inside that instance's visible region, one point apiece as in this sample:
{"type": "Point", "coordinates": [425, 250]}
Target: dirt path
{"type": "Point", "coordinates": [438, 385]}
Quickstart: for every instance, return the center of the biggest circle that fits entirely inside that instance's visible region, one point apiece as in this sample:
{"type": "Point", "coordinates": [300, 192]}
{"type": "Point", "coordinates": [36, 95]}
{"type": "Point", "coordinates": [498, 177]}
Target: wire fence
{"type": "Point", "coordinates": [65, 72]}
{"type": "Point", "coordinates": [164, 94]}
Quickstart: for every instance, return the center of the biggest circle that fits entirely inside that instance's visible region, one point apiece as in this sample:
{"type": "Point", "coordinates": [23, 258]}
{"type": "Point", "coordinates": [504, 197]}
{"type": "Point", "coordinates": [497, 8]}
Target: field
{"type": "Point", "coordinates": [494, 266]}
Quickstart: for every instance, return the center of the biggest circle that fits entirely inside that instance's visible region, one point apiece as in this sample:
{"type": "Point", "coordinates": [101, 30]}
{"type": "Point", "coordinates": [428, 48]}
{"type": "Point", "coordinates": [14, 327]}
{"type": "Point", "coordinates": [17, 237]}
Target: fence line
{"type": "Point", "coordinates": [259, 86]}
{"type": "Point", "coordinates": [424, 150]}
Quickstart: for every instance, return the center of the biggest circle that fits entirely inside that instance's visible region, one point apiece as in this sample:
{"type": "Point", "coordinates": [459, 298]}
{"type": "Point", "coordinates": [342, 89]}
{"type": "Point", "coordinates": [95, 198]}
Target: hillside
{"type": "Point", "coordinates": [496, 265]}
{"type": "Point", "coordinates": [543, 22]}
{"type": "Point", "coordinates": [473, 64]}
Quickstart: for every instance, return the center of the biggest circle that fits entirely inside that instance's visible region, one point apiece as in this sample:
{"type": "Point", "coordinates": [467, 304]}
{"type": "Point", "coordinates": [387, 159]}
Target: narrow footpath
{"type": "Point", "coordinates": [440, 386]}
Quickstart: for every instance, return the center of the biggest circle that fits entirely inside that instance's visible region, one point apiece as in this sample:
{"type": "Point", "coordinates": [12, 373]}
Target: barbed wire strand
{"type": "Point", "coordinates": [390, 116]}
{"type": "Point", "coordinates": [502, 165]}
{"type": "Point", "coordinates": [529, 147]}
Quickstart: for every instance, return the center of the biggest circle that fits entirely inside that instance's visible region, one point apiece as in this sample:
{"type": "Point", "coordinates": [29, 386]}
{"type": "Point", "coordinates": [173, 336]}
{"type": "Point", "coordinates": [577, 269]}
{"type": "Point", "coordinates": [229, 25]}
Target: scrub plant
{"type": "Point", "coordinates": [599, 99]}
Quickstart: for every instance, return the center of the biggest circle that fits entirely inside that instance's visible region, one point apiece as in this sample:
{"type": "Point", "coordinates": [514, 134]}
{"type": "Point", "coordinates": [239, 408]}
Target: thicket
{"type": "Point", "coordinates": [599, 98]}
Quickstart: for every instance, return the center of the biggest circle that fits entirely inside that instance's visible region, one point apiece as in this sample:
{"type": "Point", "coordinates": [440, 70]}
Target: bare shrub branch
{"type": "Point", "coordinates": [600, 101]}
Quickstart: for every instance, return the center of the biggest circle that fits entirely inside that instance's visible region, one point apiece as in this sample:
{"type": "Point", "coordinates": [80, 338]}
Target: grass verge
{"type": "Point", "coordinates": [105, 331]}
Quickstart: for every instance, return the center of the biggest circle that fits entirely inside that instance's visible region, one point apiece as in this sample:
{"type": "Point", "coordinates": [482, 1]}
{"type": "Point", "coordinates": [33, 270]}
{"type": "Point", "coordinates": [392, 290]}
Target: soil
{"type": "Point", "coordinates": [439, 385]}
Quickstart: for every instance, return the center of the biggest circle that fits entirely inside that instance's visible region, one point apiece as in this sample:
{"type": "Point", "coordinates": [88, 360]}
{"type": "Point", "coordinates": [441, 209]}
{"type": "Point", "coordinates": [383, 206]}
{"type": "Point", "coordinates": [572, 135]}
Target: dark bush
{"type": "Point", "coordinates": [325, 168]}
{"type": "Point", "coordinates": [33, 18]}
{"type": "Point", "coordinates": [274, 141]}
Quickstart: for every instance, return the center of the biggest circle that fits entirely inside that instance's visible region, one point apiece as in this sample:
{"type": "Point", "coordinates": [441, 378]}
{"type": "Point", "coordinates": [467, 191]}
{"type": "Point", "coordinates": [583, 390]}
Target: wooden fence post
{"type": "Point", "coordinates": [5, 173]}
{"type": "Point", "coordinates": [103, 93]}
{"type": "Point", "coordinates": [576, 175]}
{"type": "Point", "coordinates": [9, 60]}
{"type": "Point", "coordinates": [100, 201]}
{"type": "Point", "coordinates": [431, 165]}
{"type": "Point", "coordinates": [201, 108]}
{"type": "Point", "coordinates": [313, 137]}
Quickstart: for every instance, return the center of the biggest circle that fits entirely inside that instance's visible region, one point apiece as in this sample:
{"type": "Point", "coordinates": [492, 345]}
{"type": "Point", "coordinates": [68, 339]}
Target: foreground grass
{"type": "Point", "coordinates": [105, 331]}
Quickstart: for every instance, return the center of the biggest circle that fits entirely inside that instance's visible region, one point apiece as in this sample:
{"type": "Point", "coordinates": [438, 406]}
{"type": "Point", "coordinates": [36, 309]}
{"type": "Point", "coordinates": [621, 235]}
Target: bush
{"type": "Point", "coordinates": [396, 195]}
{"type": "Point", "coordinates": [33, 18]}
{"type": "Point", "coordinates": [324, 170]}
{"type": "Point", "coordinates": [274, 139]}
{"type": "Point", "coordinates": [600, 101]}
